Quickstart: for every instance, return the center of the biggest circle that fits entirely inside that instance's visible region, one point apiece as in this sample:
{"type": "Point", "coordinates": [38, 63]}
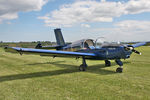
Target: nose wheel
{"type": "Point", "coordinates": [119, 70]}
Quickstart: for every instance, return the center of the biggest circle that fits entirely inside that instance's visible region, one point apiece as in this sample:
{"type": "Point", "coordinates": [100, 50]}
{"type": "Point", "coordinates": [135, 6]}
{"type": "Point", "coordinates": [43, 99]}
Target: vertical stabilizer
{"type": "Point", "coordinates": [59, 37]}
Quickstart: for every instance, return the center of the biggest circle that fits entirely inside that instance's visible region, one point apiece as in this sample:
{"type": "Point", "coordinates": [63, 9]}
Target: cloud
{"type": "Point", "coordinates": [85, 25]}
{"type": "Point", "coordinates": [9, 8]}
{"type": "Point", "coordinates": [83, 11]}
{"type": "Point", "coordinates": [9, 23]}
{"type": "Point", "coordinates": [133, 25]}
{"type": "Point", "coordinates": [137, 6]}
{"type": "Point", "coordinates": [93, 11]}
{"type": "Point", "coordinates": [129, 30]}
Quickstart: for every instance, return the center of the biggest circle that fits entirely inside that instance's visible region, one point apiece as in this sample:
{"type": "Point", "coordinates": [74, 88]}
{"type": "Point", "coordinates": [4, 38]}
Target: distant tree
{"type": "Point", "coordinates": [33, 41]}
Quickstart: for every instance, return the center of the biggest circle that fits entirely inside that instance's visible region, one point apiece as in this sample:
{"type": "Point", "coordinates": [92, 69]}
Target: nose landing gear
{"type": "Point", "coordinates": [119, 69]}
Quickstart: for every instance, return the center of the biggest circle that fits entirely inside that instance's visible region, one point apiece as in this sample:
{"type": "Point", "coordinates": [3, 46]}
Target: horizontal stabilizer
{"type": "Point", "coordinates": [49, 47]}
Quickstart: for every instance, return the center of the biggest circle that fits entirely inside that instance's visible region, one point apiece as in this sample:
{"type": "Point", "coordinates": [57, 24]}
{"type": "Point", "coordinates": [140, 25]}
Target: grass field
{"type": "Point", "coordinates": [31, 77]}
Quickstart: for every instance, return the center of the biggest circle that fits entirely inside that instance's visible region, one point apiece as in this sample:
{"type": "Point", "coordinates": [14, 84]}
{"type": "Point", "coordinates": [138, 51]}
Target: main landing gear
{"type": "Point", "coordinates": [83, 66]}
{"type": "Point", "coordinates": [119, 69]}
{"type": "Point", "coordinates": [107, 63]}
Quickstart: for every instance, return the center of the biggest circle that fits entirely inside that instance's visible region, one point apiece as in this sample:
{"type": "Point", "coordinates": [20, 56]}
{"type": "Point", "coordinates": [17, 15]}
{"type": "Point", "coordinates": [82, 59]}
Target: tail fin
{"type": "Point", "coordinates": [59, 37]}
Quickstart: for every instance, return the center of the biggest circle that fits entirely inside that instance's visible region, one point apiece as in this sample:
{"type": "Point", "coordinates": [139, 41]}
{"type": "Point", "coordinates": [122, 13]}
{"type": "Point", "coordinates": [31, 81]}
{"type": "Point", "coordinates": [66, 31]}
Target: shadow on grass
{"type": "Point", "coordinates": [35, 74]}
{"type": "Point", "coordinates": [46, 63]}
{"type": "Point", "coordinates": [98, 69]}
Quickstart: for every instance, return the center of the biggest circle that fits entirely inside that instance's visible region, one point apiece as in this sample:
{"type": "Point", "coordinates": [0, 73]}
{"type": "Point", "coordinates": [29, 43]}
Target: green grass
{"type": "Point", "coordinates": [31, 77]}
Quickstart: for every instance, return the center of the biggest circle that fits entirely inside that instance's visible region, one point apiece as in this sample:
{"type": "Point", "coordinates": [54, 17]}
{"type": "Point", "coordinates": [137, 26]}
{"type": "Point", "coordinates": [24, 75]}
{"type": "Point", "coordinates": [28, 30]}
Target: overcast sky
{"type": "Point", "coordinates": [34, 20]}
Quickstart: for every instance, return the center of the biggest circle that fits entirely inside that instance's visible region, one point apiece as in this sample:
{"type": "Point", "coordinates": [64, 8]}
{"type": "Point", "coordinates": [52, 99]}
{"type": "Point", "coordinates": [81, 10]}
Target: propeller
{"type": "Point", "coordinates": [131, 48]}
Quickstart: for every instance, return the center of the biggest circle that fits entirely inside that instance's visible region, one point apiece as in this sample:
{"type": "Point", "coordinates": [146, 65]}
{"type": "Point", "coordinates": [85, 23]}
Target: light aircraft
{"type": "Point", "coordinates": [85, 49]}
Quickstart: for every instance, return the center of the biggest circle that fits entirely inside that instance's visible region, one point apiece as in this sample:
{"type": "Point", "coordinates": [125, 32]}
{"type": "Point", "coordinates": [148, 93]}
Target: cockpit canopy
{"type": "Point", "coordinates": [84, 43]}
{"type": "Point", "coordinates": [89, 44]}
{"type": "Point", "coordinates": [81, 44]}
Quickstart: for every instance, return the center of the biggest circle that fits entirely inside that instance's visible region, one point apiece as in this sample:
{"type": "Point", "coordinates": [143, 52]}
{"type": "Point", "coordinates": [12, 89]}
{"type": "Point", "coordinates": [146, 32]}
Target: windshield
{"type": "Point", "coordinates": [100, 41]}
{"type": "Point", "coordinates": [103, 42]}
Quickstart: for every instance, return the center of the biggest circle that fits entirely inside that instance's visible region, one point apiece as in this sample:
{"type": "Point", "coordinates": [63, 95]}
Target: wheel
{"type": "Point", "coordinates": [82, 68]}
{"type": "Point", "coordinates": [119, 70]}
{"type": "Point", "coordinates": [107, 63]}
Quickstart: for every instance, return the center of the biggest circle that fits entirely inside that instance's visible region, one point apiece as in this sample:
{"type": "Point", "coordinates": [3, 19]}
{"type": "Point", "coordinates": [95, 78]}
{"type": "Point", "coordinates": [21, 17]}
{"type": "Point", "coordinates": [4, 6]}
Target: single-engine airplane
{"type": "Point", "coordinates": [85, 49]}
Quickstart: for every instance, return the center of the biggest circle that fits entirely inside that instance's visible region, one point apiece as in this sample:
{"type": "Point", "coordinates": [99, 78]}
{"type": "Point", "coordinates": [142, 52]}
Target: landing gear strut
{"type": "Point", "coordinates": [107, 63]}
{"type": "Point", "coordinates": [119, 69]}
{"type": "Point", "coordinates": [83, 66]}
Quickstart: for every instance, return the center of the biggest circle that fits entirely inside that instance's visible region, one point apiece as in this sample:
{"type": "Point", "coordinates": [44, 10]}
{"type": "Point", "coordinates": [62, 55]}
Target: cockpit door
{"type": "Point", "coordinates": [88, 44]}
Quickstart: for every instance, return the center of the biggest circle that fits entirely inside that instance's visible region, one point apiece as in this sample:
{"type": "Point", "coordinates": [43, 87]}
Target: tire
{"type": "Point", "coordinates": [119, 70]}
{"type": "Point", "coordinates": [82, 68]}
{"type": "Point", "coordinates": [107, 63]}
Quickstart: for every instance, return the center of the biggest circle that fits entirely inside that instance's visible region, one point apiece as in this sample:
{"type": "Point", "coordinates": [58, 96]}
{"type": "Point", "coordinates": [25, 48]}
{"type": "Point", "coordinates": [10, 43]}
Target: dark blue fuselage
{"type": "Point", "coordinates": [108, 53]}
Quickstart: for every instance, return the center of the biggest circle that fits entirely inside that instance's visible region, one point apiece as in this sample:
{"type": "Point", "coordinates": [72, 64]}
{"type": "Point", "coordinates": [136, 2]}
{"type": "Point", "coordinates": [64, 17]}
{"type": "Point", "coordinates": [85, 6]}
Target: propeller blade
{"type": "Point", "coordinates": [135, 51]}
